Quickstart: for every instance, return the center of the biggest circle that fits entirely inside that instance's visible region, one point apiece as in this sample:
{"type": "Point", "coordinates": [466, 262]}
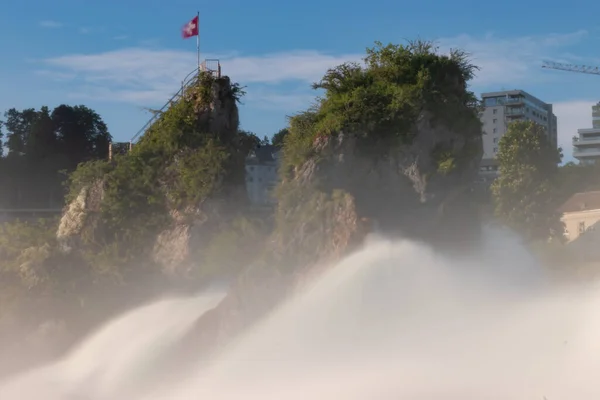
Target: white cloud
{"type": "Point", "coordinates": [50, 24]}
{"type": "Point", "coordinates": [572, 115]}
{"type": "Point", "coordinates": [513, 61]}
{"type": "Point", "coordinates": [266, 98]}
{"type": "Point", "coordinates": [148, 76]}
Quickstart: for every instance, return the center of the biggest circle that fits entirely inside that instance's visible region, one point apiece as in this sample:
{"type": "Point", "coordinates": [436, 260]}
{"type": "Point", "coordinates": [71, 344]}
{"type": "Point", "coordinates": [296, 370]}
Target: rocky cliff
{"type": "Point", "coordinates": [393, 146]}
{"type": "Point", "coordinates": [177, 186]}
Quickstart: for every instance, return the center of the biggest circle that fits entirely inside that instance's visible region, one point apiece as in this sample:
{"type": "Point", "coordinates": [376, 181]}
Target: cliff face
{"type": "Point", "coordinates": [402, 188]}
{"type": "Point", "coordinates": [79, 216]}
{"type": "Point", "coordinates": [341, 194]}
{"type": "Point", "coordinates": [197, 135]}
{"type": "Point", "coordinates": [391, 147]}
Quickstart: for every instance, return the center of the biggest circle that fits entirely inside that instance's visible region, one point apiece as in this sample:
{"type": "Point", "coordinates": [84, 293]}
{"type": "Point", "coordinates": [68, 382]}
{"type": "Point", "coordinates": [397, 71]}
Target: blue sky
{"type": "Point", "coordinates": [120, 57]}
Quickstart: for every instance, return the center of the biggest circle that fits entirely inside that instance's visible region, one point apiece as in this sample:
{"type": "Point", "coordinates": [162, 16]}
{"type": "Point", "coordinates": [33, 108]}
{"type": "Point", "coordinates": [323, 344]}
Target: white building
{"type": "Point", "coordinates": [580, 214]}
{"type": "Point", "coordinates": [262, 165]}
{"type": "Point", "coordinates": [586, 145]}
{"type": "Point", "coordinates": [502, 108]}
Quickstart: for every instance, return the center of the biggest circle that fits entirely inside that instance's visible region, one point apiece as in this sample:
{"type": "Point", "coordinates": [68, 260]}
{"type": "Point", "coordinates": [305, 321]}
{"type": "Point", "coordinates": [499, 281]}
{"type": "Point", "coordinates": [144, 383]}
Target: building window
{"type": "Point", "coordinates": [495, 140]}
{"type": "Point", "coordinates": [495, 150]}
{"type": "Point", "coordinates": [495, 130]}
{"type": "Point", "coordinates": [581, 227]}
{"type": "Point", "coordinates": [495, 111]}
{"type": "Point", "coordinates": [495, 120]}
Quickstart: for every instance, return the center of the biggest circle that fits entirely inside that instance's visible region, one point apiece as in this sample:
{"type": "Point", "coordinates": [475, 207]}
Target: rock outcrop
{"type": "Point", "coordinates": [207, 108]}
{"type": "Point", "coordinates": [350, 194]}
{"type": "Point", "coordinates": [79, 216]}
{"type": "Point", "coordinates": [377, 152]}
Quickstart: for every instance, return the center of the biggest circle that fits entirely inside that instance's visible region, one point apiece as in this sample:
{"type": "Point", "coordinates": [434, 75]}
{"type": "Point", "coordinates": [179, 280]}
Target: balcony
{"type": "Point", "coordinates": [514, 112]}
{"type": "Point", "coordinates": [582, 141]}
{"type": "Point", "coordinates": [514, 100]}
{"type": "Point", "coordinates": [588, 130]}
{"type": "Point", "coordinates": [587, 153]}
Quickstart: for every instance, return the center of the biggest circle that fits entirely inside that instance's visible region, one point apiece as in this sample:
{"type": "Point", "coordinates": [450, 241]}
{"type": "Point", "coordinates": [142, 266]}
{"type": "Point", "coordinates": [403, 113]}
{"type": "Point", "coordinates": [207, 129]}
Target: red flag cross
{"type": "Point", "coordinates": [190, 29]}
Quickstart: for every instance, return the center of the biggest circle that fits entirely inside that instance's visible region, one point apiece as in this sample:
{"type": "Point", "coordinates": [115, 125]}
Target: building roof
{"type": "Point", "coordinates": [263, 154]}
{"type": "Point", "coordinates": [584, 201]}
{"type": "Point", "coordinates": [512, 92]}
{"type": "Point", "coordinates": [515, 92]}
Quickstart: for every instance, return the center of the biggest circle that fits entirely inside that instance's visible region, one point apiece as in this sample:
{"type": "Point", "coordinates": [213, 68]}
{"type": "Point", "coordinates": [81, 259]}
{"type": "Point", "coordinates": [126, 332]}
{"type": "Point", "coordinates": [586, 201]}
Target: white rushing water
{"type": "Point", "coordinates": [393, 321]}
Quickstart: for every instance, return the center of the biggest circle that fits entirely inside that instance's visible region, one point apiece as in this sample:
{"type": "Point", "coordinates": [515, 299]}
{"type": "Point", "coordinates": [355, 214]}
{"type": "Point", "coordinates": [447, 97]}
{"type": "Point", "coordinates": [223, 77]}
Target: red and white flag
{"type": "Point", "coordinates": [190, 29]}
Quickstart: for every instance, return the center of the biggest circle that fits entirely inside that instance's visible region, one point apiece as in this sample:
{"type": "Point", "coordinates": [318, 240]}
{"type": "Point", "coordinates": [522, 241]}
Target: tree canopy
{"type": "Point", "coordinates": [382, 99]}
{"type": "Point", "coordinates": [278, 138]}
{"type": "Point", "coordinates": [40, 144]}
{"type": "Point", "coordinates": [524, 193]}
{"type": "Point", "coordinates": [183, 159]}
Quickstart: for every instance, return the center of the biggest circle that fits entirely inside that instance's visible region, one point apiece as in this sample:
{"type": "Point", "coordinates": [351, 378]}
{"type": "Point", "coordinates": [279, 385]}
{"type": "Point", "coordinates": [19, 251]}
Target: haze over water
{"type": "Point", "coordinates": [395, 320]}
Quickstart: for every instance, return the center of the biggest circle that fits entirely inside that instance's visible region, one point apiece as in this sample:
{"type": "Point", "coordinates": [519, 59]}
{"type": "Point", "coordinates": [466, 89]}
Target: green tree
{"type": "Point", "coordinates": [379, 104]}
{"type": "Point", "coordinates": [573, 178]}
{"type": "Point", "coordinates": [524, 193]}
{"type": "Point", "coordinates": [278, 138]}
{"type": "Point", "coordinates": [82, 134]}
{"type": "Point", "coordinates": [41, 143]}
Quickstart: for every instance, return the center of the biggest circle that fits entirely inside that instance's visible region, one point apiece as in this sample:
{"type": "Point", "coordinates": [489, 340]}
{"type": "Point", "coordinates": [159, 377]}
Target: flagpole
{"type": "Point", "coordinates": [198, 41]}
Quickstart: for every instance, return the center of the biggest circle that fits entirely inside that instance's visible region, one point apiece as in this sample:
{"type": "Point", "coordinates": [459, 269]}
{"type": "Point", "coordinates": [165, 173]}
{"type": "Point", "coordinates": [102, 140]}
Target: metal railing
{"type": "Point", "coordinates": [190, 78]}
{"type": "Point", "coordinates": [212, 66]}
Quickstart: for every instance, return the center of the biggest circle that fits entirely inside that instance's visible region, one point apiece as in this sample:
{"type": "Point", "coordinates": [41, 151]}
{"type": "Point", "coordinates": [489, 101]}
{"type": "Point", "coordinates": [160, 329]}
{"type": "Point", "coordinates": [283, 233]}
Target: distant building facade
{"type": "Point", "coordinates": [502, 108]}
{"type": "Point", "coordinates": [262, 165]}
{"type": "Point", "coordinates": [580, 214]}
{"type": "Point", "coordinates": [586, 145]}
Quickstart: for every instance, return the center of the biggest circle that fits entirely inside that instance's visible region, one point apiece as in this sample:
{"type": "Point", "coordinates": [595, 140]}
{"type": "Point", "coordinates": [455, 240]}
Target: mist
{"type": "Point", "coordinates": [394, 320]}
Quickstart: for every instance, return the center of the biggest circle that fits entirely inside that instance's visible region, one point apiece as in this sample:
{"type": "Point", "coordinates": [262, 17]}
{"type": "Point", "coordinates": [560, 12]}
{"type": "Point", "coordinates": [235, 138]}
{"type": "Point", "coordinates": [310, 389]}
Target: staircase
{"type": "Point", "coordinates": [212, 66]}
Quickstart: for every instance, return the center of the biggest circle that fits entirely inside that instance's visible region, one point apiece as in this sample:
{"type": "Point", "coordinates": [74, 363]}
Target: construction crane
{"type": "Point", "coordinates": [584, 69]}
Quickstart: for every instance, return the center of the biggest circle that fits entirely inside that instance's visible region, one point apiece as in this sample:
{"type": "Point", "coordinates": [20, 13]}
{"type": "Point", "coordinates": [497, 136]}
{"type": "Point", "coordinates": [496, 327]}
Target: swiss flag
{"type": "Point", "coordinates": [190, 29]}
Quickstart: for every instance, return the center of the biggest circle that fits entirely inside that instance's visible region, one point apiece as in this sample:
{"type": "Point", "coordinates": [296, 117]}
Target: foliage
{"type": "Point", "coordinates": [17, 236]}
{"type": "Point", "coordinates": [524, 193]}
{"type": "Point", "coordinates": [382, 100]}
{"type": "Point", "coordinates": [83, 175]}
{"type": "Point", "coordinates": [41, 143]}
{"type": "Point", "coordinates": [279, 137]}
{"type": "Point", "coordinates": [379, 105]}
{"type": "Point", "coordinates": [574, 178]}
{"type": "Point", "coordinates": [179, 162]}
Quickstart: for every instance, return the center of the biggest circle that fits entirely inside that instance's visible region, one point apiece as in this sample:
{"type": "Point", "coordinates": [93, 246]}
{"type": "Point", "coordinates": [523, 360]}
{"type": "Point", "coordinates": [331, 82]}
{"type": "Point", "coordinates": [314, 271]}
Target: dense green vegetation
{"type": "Point", "coordinates": [380, 102]}
{"type": "Point", "coordinates": [42, 146]}
{"type": "Point", "coordinates": [179, 163]}
{"type": "Point", "coordinates": [532, 186]}
{"type": "Point", "coordinates": [377, 104]}
{"type": "Point", "coordinates": [525, 193]}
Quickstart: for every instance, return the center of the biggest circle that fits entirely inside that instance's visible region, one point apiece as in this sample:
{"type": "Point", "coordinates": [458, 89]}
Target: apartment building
{"type": "Point", "coordinates": [261, 175]}
{"type": "Point", "coordinates": [502, 108]}
{"type": "Point", "coordinates": [586, 145]}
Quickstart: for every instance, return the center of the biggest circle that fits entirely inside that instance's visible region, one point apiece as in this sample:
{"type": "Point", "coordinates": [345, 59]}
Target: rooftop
{"type": "Point", "coordinates": [263, 154]}
{"type": "Point", "coordinates": [584, 201]}
{"type": "Point", "coordinates": [514, 92]}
